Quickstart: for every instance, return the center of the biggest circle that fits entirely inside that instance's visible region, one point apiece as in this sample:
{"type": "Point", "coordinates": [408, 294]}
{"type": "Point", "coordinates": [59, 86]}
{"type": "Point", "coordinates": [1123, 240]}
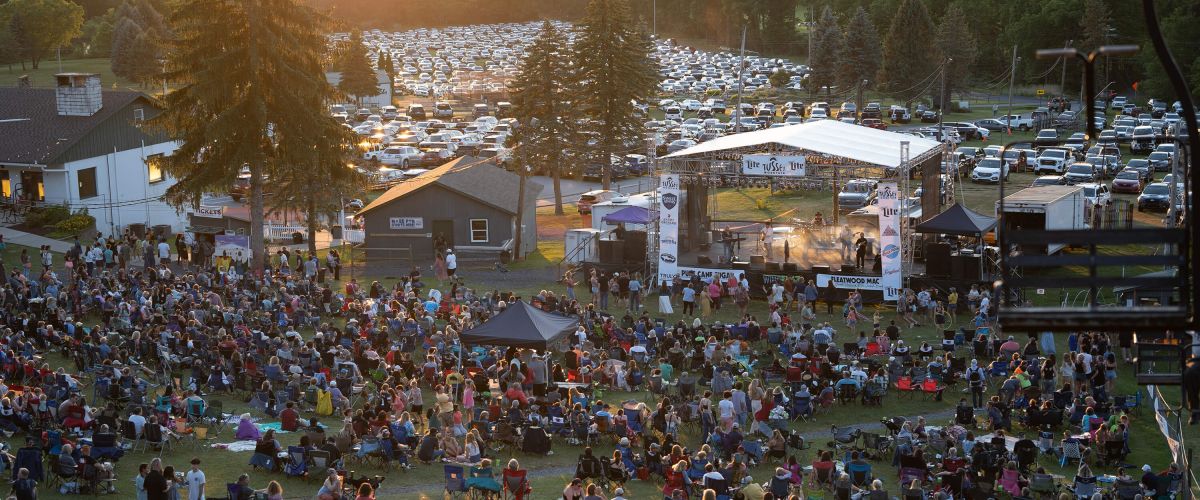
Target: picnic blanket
{"type": "Point", "coordinates": [236, 446]}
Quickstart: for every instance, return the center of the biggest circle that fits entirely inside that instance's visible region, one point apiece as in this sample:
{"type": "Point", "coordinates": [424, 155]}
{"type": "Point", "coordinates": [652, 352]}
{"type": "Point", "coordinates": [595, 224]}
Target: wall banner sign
{"type": "Point", "coordinates": [773, 165]}
{"type": "Point", "coordinates": [404, 223]}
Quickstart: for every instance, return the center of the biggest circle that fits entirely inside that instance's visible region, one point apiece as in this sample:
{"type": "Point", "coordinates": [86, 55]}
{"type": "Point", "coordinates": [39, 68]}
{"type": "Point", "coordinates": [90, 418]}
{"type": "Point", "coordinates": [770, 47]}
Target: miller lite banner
{"type": "Point", "coordinates": [668, 225]}
{"type": "Point", "coordinates": [773, 165]}
{"type": "Point", "coordinates": [889, 239]}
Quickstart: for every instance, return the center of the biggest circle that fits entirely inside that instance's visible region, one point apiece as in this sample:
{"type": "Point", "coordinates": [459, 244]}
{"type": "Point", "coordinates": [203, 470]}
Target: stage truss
{"type": "Point", "coordinates": [723, 169]}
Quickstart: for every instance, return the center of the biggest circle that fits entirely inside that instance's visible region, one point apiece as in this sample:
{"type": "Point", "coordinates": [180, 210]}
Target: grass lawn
{"type": "Point", "coordinates": [44, 75]}
{"type": "Point", "coordinates": [550, 473]}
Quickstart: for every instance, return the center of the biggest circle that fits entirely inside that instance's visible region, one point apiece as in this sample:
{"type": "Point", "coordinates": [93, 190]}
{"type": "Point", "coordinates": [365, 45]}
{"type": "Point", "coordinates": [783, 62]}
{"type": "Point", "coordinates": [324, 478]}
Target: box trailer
{"type": "Point", "coordinates": [1044, 208]}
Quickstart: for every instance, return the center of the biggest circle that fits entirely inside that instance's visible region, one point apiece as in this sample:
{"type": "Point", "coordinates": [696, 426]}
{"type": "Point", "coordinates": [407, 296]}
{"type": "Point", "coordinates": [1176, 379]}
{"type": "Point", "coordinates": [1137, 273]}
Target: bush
{"type": "Point", "coordinates": [48, 216]}
{"type": "Point", "coordinates": [76, 224]}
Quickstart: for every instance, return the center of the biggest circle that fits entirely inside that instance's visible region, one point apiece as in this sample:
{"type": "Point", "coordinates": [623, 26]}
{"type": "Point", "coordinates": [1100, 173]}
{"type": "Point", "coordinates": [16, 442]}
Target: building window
{"type": "Point", "coordinates": [139, 115]}
{"type": "Point", "coordinates": [479, 230]}
{"type": "Point", "coordinates": [87, 183]}
{"type": "Point", "coordinates": [154, 171]}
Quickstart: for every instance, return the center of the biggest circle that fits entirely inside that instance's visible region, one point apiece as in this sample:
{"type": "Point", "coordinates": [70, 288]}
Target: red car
{"type": "Point", "coordinates": [874, 123]}
{"type": "Point", "coordinates": [1127, 181]}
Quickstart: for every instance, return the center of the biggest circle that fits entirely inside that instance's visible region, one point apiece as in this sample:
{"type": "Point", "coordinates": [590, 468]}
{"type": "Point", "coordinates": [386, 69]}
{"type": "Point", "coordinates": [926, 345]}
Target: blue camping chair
{"type": "Point", "coordinates": [297, 465]}
{"type": "Point", "coordinates": [456, 481]}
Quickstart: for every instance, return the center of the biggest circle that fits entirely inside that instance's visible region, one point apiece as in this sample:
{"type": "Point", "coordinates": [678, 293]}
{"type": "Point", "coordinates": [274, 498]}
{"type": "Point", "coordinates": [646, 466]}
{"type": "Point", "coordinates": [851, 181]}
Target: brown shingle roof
{"type": "Point", "coordinates": [32, 132]}
{"type": "Point", "coordinates": [477, 178]}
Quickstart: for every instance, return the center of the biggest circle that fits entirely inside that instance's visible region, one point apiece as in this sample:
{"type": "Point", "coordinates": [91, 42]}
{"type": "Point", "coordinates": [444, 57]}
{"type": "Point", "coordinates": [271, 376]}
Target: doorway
{"type": "Point", "coordinates": [32, 187]}
{"type": "Point", "coordinates": [443, 235]}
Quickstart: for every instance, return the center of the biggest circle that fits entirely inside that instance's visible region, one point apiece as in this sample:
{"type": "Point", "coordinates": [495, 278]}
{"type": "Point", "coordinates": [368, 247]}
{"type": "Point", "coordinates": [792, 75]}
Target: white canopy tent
{"type": "Point", "coordinates": [830, 137]}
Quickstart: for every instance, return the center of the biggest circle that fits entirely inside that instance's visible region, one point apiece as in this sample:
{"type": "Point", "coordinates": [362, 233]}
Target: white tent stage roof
{"type": "Point", "coordinates": [831, 137]}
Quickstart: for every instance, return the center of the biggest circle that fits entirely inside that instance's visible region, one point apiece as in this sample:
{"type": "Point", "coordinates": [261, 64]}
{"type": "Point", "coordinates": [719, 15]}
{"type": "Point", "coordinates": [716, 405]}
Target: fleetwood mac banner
{"type": "Point", "coordinates": [889, 239]}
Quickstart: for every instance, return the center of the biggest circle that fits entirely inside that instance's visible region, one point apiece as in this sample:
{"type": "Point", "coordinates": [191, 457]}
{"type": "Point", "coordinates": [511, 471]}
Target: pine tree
{"type": "Point", "coordinates": [124, 50]}
{"type": "Point", "coordinates": [614, 69]}
{"type": "Point", "coordinates": [539, 95]}
{"type": "Point", "coordinates": [908, 52]}
{"type": "Point", "coordinates": [252, 93]}
{"type": "Point", "coordinates": [358, 78]}
{"type": "Point", "coordinates": [826, 51]}
{"type": "Point", "coordinates": [1094, 25]}
{"type": "Point", "coordinates": [860, 60]}
{"type": "Point", "coordinates": [956, 45]}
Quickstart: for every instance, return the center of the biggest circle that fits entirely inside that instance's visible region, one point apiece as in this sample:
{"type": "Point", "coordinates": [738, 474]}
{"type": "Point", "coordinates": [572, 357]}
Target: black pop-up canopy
{"type": "Point", "coordinates": [958, 220]}
{"type": "Point", "coordinates": [521, 325]}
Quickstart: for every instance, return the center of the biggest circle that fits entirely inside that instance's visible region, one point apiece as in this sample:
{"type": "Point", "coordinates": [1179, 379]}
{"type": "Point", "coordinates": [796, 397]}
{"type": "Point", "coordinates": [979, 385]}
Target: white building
{"type": "Point", "coordinates": [80, 145]}
{"type": "Point", "coordinates": [383, 98]}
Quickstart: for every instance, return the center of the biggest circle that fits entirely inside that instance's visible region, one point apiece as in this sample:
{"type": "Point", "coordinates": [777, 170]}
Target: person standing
{"type": "Point", "coordinates": [689, 300]}
{"type": "Point", "coordinates": [439, 267]}
{"type": "Point", "coordinates": [860, 253]}
{"type": "Point", "coordinates": [451, 263]}
{"type": "Point", "coordinates": [155, 482]}
{"type": "Point", "coordinates": [195, 481]}
{"type": "Point", "coordinates": [164, 252]}
{"type": "Point", "coordinates": [846, 238]}
{"type": "Point", "coordinates": [635, 291]}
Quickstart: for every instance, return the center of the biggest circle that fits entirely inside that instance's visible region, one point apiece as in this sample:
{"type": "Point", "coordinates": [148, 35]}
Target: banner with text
{"type": "Point", "coordinates": [889, 239]}
{"type": "Point", "coordinates": [704, 274]}
{"type": "Point", "coordinates": [668, 226]}
{"type": "Point", "coordinates": [850, 282]}
{"type": "Point", "coordinates": [773, 165]}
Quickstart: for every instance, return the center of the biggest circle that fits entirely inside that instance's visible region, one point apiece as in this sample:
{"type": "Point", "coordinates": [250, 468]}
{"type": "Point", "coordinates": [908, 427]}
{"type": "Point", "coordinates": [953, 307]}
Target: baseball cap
{"type": "Point", "coordinates": [1146, 468]}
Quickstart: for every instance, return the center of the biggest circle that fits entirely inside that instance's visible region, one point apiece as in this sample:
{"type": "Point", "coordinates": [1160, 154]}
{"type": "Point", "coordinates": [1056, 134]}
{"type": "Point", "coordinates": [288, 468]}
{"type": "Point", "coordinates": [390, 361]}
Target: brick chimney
{"type": "Point", "coordinates": [78, 94]}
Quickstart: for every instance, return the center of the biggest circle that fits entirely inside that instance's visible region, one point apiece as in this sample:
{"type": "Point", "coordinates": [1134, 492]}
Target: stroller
{"type": "Point", "coordinates": [893, 424]}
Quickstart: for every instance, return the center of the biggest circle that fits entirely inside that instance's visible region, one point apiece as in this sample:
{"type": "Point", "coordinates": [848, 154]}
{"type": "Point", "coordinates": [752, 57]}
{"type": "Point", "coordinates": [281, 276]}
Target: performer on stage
{"type": "Point", "coordinates": [846, 238]}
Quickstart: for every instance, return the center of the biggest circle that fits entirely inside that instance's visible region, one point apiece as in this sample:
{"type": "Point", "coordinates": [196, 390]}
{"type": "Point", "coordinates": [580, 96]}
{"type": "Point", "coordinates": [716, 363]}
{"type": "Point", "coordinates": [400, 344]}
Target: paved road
{"type": "Point", "coordinates": [571, 188]}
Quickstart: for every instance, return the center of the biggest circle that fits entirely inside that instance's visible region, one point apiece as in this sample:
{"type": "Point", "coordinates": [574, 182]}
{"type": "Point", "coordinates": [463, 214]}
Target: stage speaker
{"type": "Point", "coordinates": [635, 246]}
{"type": "Point", "coordinates": [791, 267]}
{"type": "Point", "coordinates": [773, 267]}
{"type": "Point", "coordinates": [612, 251]}
{"type": "Point", "coordinates": [741, 265]}
{"type": "Point", "coordinates": [965, 267]}
{"type": "Point", "coordinates": [820, 269]}
{"type": "Point", "coordinates": [937, 260]}
{"type": "Point", "coordinates": [703, 260]}
{"type": "Point", "coordinates": [758, 260]}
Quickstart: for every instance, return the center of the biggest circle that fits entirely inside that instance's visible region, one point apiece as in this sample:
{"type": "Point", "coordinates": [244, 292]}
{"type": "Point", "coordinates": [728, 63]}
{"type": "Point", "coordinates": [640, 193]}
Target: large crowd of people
{"type": "Point", "coordinates": [158, 347]}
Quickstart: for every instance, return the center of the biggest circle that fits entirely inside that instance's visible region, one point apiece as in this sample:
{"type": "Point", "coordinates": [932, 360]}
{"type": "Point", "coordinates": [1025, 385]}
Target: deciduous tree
{"type": "Point", "coordinates": [45, 25]}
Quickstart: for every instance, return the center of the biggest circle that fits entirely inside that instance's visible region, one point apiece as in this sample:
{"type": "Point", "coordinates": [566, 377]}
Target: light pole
{"type": "Point", "coordinates": [1062, 83]}
{"type": "Point", "coordinates": [859, 101]}
{"type": "Point", "coordinates": [1012, 74]}
{"type": "Point", "coordinates": [942, 99]}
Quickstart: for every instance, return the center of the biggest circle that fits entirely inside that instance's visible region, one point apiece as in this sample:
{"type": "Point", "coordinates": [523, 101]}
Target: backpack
{"type": "Point", "coordinates": [976, 377]}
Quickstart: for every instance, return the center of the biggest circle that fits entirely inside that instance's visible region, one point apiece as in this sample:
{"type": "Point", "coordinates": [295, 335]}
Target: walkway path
{"type": "Point", "coordinates": [16, 237]}
{"type": "Point", "coordinates": [818, 438]}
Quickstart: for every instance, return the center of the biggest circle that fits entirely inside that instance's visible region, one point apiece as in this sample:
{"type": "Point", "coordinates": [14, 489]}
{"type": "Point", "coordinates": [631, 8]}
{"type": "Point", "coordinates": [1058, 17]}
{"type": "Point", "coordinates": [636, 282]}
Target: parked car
{"type": "Point", "coordinates": [586, 200]}
{"type": "Point", "coordinates": [899, 114]}
{"type": "Point", "coordinates": [416, 111]}
{"type": "Point", "coordinates": [1156, 196]}
{"type": "Point", "coordinates": [400, 156]}
{"type": "Point", "coordinates": [856, 194]}
{"type": "Point", "coordinates": [991, 124]}
{"type": "Point", "coordinates": [1080, 173]}
{"type": "Point", "coordinates": [1047, 137]}
{"type": "Point", "coordinates": [1160, 161]}
{"type": "Point", "coordinates": [1049, 180]}
{"type": "Point", "coordinates": [1142, 140]}
{"type": "Point", "coordinates": [929, 117]}
{"type": "Point", "coordinates": [990, 170]}
{"type": "Point", "coordinates": [1096, 193]}
{"type": "Point", "coordinates": [874, 123]}
{"type": "Point", "coordinates": [1128, 181]}
{"type": "Point", "coordinates": [1052, 160]}
{"type": "Point", "coordinates": [1142, 166]}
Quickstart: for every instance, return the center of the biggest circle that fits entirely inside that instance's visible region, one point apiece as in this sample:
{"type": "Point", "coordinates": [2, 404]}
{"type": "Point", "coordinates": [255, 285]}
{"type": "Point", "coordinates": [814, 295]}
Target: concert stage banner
{"type": "Point", "coordinates": [889, 239]}
{"type": "Point", "coordinates": [668, 226]}
{"type": "Point", "coordinates": [850, 282]}
{"type": "Point", "coordinates": [773, 165]}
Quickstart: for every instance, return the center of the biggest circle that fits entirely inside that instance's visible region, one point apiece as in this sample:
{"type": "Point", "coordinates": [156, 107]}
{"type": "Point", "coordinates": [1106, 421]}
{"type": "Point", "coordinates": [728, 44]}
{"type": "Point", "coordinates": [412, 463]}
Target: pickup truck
{"type": "Point", "coordinates": [1017, 122]}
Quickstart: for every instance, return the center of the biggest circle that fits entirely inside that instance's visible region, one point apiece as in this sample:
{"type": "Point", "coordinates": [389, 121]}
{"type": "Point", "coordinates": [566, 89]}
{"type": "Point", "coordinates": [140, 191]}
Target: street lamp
{"type": "Point", "coordinates": [1089, 70]}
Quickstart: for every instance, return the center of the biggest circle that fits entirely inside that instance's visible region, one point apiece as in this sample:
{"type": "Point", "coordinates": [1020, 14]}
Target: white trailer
{"type": "Point", "coordinates": [1044, 208]}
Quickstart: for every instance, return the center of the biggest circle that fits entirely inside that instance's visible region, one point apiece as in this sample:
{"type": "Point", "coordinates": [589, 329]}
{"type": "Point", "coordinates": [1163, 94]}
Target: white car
{"type": "Point", "coordinates": [1051, 160]}
{"type": "Point", "coordinates": [400, 156]}
{"type": "Point", "coordinates": [690, 105]}
{"type": "Point", "coordinates": [1096, 193]}
{"type": "Point", "coordinates": [990, 170]}
{"type": "Point", "coordinates": [818, 114]}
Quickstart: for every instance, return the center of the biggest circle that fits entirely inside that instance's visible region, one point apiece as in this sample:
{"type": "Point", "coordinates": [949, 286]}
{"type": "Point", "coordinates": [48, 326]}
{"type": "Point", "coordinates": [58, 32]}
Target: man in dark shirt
{"type": "Point", "coordinates": [156, 483]}
{"type": "Point", "coordinates": [893, 331]}
{"type": "Point", "coordinates": [330, 447]}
